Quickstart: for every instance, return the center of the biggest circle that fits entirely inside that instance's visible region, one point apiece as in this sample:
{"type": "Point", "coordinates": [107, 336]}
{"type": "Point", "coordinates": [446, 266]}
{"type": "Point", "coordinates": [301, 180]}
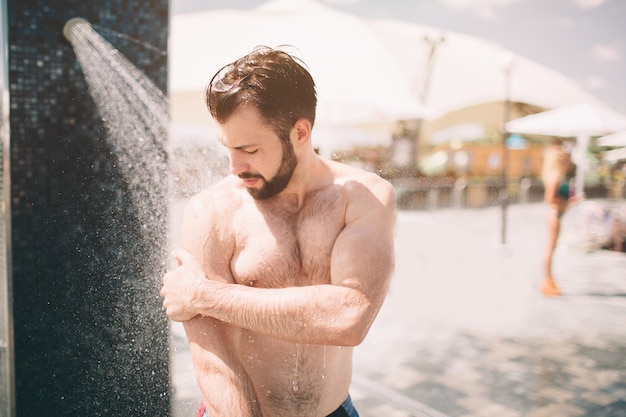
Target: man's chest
{"type": "Point", "coordinates": [276, 248]}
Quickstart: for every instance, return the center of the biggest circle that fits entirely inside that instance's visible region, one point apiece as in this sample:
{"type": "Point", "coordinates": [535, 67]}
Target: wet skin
{"type": "Point", "coordinates": [311, 266]}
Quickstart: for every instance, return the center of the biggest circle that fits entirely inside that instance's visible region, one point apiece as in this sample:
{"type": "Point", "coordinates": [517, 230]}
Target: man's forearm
{"type": "Point", "coordinates": [225, 385]}
{"type": "Point", "coordinates": [317, 314]}
{"type": "Point", "coordinates": [224, 399]}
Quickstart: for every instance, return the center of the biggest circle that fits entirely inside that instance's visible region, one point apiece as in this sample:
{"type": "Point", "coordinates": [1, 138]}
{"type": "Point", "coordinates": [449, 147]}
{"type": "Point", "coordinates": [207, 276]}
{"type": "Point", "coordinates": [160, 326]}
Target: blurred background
{"type": "Point", "coordinates": [421, 91]}
{"type": "Point", "coordinates": [454, 102]}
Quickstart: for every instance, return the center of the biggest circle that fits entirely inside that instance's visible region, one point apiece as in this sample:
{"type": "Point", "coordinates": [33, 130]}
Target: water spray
{"type": "Point", "coordinates": [135, 113]}
{"type": "Point", "coordinates": [71, 25]}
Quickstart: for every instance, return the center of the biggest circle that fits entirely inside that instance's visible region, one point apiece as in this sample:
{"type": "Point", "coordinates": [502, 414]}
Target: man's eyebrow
{"type": "Point", "coordinates": [244, 147]}
{"type": "Point", "coordinates": [240, 147]}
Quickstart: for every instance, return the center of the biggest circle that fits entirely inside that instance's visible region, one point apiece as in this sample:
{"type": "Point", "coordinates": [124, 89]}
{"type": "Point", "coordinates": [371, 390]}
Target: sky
{"type": "Point", "coordinates": [581, 39]}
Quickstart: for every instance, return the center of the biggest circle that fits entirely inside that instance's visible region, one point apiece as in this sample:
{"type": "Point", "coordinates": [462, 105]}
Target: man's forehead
{"type": "Point", "coordinates": [245, 137]}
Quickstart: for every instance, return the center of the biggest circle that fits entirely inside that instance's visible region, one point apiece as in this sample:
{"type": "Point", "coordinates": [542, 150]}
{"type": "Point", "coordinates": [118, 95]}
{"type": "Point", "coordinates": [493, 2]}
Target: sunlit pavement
{"type": "Point", "coordinates": [465, 331]}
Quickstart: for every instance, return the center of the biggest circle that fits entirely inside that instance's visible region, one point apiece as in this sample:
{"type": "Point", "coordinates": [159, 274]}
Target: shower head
{"type": "Point", "coordinates": [69, 26]}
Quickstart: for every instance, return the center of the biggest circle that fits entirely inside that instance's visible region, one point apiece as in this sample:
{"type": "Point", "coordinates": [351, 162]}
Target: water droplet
{"type": "Point", "coordinates": [323, 376]}
{"type": "Point", "coordinates": [294, 385]}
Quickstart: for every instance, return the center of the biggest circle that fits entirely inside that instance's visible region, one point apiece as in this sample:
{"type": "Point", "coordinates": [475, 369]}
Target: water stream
{"type": "Point", "coordinates": [158, 173]}
{"type": "Point", "coordinates": [135, 113]}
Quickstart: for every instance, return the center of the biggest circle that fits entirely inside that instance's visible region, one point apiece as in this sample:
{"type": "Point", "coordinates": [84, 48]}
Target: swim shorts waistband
{"type": "Point", "coordinates": [346, 409]}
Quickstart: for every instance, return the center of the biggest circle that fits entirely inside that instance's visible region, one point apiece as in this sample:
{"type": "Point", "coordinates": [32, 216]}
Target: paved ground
{"type": "Point", "coordinates": [465, 332]}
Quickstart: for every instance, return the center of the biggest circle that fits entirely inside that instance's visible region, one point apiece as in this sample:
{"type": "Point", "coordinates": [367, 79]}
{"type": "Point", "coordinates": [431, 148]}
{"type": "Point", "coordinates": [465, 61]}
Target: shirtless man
{"type": "Point", "coordinates": [285, 263]}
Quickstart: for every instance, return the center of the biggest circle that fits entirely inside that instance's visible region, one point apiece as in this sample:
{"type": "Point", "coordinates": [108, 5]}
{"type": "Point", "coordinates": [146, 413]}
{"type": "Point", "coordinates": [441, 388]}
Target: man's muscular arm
{"type": "Point", "coordinates": [224, 384]}
{"type": "Point", "coordinates": [341, 313]}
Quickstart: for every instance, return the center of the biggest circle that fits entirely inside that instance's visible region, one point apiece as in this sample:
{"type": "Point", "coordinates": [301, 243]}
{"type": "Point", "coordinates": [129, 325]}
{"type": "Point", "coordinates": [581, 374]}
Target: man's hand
{"type": "Point", "coordinates": [180, 287]}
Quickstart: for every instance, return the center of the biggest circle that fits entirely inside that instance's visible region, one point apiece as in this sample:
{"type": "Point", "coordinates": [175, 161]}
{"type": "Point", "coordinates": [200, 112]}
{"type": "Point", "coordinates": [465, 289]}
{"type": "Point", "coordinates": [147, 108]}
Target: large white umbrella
{"type": "Point", "coordinates": [451, 71]}
{"type": "Point", "coordinates": [570, 121]}
{"type": "Point", "coordinates": [581, 121]}
{"type": "Point", "coordinates": [614, 155]}
{"type": "Point", "coordinates": [367, 70]}
{"type": "Point", "coordinates": [613, 140]}
{"type": "Point", "coordinates": [357, 78]}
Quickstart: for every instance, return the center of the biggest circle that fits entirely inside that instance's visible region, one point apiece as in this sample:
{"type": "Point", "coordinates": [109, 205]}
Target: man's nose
{"type": "Point", "coordinates": [237, 164]}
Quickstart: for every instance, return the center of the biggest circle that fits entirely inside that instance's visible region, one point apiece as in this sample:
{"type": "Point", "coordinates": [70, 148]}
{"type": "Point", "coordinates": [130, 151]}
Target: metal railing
{"type": "Point", "coordinates": [431, 194]}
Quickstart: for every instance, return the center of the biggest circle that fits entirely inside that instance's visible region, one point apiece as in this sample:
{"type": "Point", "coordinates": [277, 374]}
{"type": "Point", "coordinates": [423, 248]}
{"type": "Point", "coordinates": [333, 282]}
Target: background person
{"type": "Point", "coordinates": [556, 165]}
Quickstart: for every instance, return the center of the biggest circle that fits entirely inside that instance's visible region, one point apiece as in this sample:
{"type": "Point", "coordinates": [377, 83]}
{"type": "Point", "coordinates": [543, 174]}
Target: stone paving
{"type": "Point", "coordinates": [464, 331]}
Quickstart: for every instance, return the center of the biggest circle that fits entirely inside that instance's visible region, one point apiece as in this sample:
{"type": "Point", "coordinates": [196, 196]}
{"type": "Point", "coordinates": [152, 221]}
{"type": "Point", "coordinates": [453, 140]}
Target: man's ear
{"type": "Point", "coordinates": [301, 132]}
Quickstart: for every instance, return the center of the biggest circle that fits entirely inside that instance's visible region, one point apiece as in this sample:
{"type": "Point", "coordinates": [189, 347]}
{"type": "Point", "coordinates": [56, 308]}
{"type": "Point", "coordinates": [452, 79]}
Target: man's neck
{"type": "Point", "coordinates": [311, 174]}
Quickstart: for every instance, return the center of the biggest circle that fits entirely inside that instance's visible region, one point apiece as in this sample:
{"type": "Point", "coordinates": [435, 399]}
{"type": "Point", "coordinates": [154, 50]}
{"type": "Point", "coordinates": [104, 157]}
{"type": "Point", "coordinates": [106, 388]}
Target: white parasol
{"type": "Point", "coordinates": [357, 79]}
{"type": "Point", "coordinates": [581, 121]}
{"type": "Point", "coordinates": [613, 140]}
{"type": "Point", "coordinates": [451, 71]}
{"type": "Point", "coordinates": [366, 70]}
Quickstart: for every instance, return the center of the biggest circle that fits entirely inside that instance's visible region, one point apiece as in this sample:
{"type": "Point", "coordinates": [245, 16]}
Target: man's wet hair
{"type": "Point", "coordinates": [272, 81]}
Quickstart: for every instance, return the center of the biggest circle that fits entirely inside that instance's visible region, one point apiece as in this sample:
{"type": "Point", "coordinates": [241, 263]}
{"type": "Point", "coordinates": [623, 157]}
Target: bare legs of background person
{"type": "Point", "coordinates": [617, 232]}
{"type": "Point", "coordinates": [548, 286]}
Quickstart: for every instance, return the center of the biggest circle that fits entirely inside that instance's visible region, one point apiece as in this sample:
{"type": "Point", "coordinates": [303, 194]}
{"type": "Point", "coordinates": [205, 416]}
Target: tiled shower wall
{"type": "Point", "coordinates": [89, 333]}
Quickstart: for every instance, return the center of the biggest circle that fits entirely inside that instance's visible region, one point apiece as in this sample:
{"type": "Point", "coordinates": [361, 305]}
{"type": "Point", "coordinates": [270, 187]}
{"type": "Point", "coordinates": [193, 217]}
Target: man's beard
{"type": "Point", "coordinates": [279, 181]}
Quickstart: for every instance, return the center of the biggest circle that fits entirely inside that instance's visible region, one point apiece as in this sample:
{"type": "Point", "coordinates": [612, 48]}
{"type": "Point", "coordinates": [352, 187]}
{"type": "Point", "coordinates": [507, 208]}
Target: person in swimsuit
{"type": "Point", "coordinates": [285, 263]}
{"type": "Point", "coordinates": [556, 165]}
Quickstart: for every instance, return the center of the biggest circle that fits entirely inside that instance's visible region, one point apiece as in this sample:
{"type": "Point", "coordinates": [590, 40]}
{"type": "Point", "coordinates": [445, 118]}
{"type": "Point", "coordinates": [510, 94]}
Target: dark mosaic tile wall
{"type": "Point", "coordinates": [90, 334]}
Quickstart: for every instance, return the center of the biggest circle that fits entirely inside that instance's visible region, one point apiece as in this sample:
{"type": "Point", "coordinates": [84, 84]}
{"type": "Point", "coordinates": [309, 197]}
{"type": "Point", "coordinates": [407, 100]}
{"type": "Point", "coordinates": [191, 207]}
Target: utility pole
{"type": "Point", "coordinates": [507, 66]}
{"type": "Point", "coordinates": [434, 42]}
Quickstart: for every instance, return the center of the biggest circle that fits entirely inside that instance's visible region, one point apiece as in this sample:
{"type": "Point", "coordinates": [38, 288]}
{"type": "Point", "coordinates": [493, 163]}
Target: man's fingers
{"type": "Point", "coordinates": [182, 256]}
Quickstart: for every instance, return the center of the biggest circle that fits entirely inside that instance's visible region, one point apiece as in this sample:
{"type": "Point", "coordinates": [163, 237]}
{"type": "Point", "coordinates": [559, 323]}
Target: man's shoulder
{"type": "Point", "coordinates": [355, 179]}
{"type": "Point", "coordinates": [209, 215]}
{"type": "Point", "coordinates": [222, 197]}
{"type": "Point", "coordinates": [370, 197]}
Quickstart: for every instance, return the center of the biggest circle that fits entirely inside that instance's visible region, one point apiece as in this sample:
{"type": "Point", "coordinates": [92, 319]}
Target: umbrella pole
{"type": "Point", "coordinates": [504, 191]}
{"type": "Point", "coordinates": [580, 159]}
